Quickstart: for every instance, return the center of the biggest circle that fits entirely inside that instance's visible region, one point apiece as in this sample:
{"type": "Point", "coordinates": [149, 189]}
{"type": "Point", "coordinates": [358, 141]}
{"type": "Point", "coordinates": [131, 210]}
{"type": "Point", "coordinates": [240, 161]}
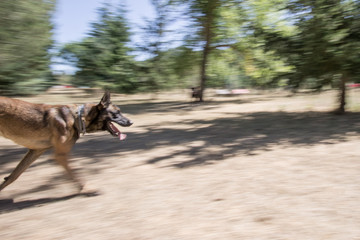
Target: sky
{"type": "Point", "coordinates": [73, 17]}
{"type": "Point", "coordinates": [72, 20]}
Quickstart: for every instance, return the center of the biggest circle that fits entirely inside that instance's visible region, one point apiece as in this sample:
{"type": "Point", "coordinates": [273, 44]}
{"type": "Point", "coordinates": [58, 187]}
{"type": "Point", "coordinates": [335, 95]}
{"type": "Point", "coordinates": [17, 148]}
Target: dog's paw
{"type": "Point", "coordinates": [90, 192]}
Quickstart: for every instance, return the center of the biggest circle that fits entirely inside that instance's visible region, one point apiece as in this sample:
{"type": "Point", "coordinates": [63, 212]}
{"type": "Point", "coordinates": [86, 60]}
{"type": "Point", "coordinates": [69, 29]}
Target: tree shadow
{"type": "Point", "coordinates": [205, 141]}
{"type": "Point", "coordinates": [177, 106]}
{"type": "Point", "coordinates": [232, 134]}
{"type": "Point", "coordinates": [9, 154]}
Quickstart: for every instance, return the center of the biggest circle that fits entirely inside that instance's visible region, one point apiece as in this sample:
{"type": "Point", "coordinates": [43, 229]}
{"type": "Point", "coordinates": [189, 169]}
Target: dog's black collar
{"type": "Point", "coordinates": [82, 127]}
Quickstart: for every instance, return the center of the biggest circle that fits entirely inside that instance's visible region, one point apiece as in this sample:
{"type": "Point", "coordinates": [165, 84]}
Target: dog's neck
{"type": "Point", "coordinates": [82, 127]}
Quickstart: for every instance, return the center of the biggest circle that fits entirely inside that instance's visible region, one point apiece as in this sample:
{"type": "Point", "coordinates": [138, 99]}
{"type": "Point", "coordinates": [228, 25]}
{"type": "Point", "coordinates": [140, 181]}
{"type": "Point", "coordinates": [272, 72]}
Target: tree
{"type": "Point", "coordinates": [155, 45]}
{"type": "Point", "coordinates": [324, 47]}
{"type": "Point", "coordinates": [329, 48]}
{"type": "Point", "coordinates": [209, 21]}
{"type": "Point", "coordinates": [25, 40]}
{"type": "Point", "coordinates": [103, 58]}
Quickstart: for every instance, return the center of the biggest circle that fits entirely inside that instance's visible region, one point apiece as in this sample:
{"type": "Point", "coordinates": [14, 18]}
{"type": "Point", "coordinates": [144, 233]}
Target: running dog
{"type": "Point", "coordinates": [40, 127]}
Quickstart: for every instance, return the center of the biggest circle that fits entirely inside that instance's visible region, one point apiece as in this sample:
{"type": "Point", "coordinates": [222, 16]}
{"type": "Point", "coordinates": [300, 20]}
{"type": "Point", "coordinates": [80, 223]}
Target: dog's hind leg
{"type": "Point", "coordinates": [28, 159]}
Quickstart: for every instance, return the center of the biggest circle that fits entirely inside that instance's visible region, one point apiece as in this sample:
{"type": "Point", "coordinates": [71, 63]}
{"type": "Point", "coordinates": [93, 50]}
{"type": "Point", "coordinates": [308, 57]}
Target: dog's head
{"type": "Point", "coordinates": [106, 116]}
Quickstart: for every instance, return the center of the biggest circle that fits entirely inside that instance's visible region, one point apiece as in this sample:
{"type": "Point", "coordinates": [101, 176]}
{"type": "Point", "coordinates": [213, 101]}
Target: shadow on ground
{"type": "Point", "coordinates": [235, 134]}
{"type": "Point", "coordinates": [242, 133]}
{"type": "Point", "coordinates": [231, 134]}
{"type": "Point", "coordinates": [8, 205]}
{"type": "Point", "coordinates": [144, 106]}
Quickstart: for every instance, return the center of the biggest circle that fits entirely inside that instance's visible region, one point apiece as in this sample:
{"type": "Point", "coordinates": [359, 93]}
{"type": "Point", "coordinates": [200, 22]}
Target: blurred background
{"type": "Point", "coordinates": [256, 164]}
{"type": "Point", "coordinates": [153, 45]}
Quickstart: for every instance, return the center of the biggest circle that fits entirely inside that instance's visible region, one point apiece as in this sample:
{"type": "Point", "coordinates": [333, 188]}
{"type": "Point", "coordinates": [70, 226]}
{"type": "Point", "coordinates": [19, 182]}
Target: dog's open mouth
{"type": "Point", "coordinates": [114, 130]}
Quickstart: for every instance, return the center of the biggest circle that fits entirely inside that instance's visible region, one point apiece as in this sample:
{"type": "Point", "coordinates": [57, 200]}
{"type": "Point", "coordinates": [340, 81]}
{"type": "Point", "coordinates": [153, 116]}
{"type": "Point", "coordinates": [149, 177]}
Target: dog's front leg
{"type": "Point", "coordinates": [29, 158]}
{"type": "Point", "coordinates": [61, 158]}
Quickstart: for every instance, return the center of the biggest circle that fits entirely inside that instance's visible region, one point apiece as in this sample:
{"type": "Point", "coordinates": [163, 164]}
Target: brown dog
{"type": "Point", "coordinates": [195, 93]}
{"type": "Point", "coordinates": [40, 127]}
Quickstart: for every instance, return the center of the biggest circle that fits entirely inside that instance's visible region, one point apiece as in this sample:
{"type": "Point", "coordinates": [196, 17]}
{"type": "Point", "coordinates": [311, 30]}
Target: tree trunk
{"type": "Point", "coordinates": [206, 51]}
{"type": "Point", "coordinates": [208, 25]}
{"type": "Point", "coordinates": [342, 95]}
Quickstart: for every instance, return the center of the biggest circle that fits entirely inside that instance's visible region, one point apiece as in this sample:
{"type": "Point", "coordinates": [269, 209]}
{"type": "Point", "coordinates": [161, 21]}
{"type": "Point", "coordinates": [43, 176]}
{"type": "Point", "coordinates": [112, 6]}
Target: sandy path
{"type": "Point", "coordinates": [251, 167]}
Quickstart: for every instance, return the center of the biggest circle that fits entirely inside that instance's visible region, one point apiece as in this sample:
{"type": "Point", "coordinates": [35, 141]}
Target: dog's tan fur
{"type": "Point", "coordinates": [39, 127]}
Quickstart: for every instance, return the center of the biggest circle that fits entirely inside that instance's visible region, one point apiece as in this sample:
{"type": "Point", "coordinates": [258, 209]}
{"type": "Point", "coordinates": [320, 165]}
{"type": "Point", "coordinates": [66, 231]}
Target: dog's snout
{"type": "Point", "coordinates": [125, 122]}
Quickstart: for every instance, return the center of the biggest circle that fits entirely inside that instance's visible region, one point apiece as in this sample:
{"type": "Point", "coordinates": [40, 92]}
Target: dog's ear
{"type": "Point", "coordinates": [105, 100]}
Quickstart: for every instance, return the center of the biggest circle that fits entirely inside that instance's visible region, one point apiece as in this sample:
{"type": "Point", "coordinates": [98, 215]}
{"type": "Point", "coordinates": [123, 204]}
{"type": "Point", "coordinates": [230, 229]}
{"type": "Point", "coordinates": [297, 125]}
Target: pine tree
{"type": "Point", "coordinates": [103, 58]}
{"type": "Point", "coordinates": [25, 40]}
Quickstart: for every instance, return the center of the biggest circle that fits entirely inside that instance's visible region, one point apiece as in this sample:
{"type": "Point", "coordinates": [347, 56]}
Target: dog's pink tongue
{"type": "Point", "coordinates": [115, 128]}
{"type": "Point", "coordinates": [122, 136]}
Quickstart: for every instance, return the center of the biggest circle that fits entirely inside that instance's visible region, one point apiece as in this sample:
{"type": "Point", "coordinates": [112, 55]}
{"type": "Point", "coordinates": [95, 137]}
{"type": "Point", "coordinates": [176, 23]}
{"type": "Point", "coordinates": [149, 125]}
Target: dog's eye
{"type": "Point", "coordinates": [113, 115]}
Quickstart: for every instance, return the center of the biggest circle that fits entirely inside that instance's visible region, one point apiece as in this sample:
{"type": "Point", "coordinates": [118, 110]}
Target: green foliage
{"type": "Point", "coordinates": [228, 43]}
{"type": "Point", "coordinates": [221, 28]}
{"type": "Point", "coordinates": [103, 58]}
{"type": "Point", "coordinates": [25, 38]}
{"type": "Point", "coordinates": [158, 74]}
{"type": "Point", "coordinates": [323, 42]}
{"type": "Point", "coordinates": [210, 29]}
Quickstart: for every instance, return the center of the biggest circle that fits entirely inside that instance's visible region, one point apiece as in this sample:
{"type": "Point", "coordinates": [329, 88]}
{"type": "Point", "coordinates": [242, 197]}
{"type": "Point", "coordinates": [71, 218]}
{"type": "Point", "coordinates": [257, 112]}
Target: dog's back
{"type": "Point", "coordinates": [25, 123]}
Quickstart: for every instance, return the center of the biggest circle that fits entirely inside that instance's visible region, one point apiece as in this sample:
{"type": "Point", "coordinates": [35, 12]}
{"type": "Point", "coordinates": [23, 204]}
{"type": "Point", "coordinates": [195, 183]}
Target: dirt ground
{"type": "Point", "coordinates": [257, 166]}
